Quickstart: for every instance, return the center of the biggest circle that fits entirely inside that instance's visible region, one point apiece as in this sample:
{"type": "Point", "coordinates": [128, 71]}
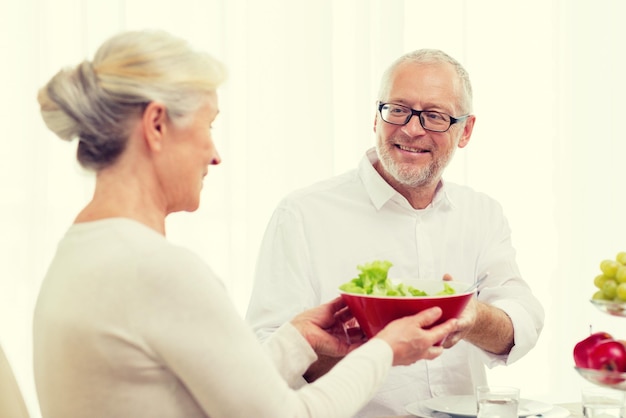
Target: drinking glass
{"type": "Point", "coordinates": [599, 402]}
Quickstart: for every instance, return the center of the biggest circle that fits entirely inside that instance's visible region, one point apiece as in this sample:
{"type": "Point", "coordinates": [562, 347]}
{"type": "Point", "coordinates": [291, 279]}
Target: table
{"type": "Point", "coordinates": [575, 409]}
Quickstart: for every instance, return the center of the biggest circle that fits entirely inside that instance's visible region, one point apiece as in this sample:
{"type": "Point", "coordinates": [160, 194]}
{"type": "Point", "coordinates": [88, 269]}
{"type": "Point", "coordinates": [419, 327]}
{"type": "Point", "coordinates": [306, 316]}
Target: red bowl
{"type": "Point", "coordinates": [374, 312]}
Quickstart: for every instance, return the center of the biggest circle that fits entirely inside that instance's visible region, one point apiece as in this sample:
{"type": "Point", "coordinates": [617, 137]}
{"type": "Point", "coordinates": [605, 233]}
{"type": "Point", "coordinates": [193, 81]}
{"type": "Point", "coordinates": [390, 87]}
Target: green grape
{"type": "Point", "coordinates": [609, 288]}
{"type": "Point", "coordinates": [599, 295]}
{"type": "Point", "coordinates": [599, 280]}
{"type": "Point", "coordinates": [620, 275]}
{"type": "Point", "coordinates": [609, 267]}
{"type": "Point", "coordinates": [611, 283]}
{"type": "Point", "coordinates": [621, 292]}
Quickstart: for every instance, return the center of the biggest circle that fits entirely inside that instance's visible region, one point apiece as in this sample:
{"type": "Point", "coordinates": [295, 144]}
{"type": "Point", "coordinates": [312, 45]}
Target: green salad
{"type": "Point", "coordinates": [373, 280]}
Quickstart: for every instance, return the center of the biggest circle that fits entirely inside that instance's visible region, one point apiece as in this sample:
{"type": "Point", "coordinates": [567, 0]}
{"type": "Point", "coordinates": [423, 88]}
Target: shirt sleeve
{"type": "Point", "coordinates": [526, 313]}
{"type": "Point", "coordinates": [282, 288]}
{"type": "Point", "coordinates": [505, 289]}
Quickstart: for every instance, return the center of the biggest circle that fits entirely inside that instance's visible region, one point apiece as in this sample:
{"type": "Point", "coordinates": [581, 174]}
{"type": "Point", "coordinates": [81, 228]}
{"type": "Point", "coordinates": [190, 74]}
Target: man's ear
{"type": "Point", "coordinates": [153, 122]}
{"type": "Point", "coordinates": [468, 127]}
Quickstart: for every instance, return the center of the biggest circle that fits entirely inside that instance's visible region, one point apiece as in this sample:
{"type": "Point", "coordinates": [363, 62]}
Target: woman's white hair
{"type": "Point", "coordinates": [95, 100]}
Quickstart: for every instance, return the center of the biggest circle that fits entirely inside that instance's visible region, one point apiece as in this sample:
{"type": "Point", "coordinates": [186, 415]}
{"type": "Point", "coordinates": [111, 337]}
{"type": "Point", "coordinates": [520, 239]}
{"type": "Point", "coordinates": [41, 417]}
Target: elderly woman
{"type": "Point", "coordinates": [130, 325]}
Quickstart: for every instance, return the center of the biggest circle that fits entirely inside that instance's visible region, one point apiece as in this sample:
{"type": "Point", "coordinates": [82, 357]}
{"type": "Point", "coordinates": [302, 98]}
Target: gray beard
{"type": "Point", "coordinates": [409, 176]}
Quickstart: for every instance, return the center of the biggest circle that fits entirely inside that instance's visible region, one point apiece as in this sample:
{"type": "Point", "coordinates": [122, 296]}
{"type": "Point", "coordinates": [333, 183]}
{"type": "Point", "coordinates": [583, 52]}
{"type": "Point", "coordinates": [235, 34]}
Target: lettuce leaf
{"type": "Point", "coordinates": [373, 280]}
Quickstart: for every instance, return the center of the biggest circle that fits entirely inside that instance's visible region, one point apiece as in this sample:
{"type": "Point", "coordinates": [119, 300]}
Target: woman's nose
{"type": "Point", "coordinates": [216, 157]}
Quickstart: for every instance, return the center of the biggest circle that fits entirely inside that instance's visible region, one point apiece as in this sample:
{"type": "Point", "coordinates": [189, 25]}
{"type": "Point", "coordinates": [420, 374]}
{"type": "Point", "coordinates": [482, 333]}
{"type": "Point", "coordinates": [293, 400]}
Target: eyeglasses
{"type": "Point", "coordinates": [430, 120]}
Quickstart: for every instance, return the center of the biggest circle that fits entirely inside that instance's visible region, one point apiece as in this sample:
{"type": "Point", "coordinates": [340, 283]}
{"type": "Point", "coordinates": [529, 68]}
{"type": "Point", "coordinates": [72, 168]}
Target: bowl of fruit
{"type": "Point", "coordinates": [375, 300]}
{"type": "Point", "coordinates": [601, 359]}
{"type": "Point", "coordinates": [610, 283]}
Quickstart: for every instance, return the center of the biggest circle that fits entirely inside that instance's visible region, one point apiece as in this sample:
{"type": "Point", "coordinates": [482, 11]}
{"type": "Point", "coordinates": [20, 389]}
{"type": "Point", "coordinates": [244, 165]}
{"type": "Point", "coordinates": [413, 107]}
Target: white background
{"type": "Point", "coordinates": [298, 107]}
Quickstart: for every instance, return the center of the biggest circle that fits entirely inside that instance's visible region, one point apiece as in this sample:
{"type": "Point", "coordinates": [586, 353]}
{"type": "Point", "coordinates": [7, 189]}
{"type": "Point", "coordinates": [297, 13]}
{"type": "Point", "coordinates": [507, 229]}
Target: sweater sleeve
{"type": "Point", "coordinates": [341, 390]}
{"type": "Point", "coordinates": [193, 328]}
{"type": "Point", "coordinates": [347, 387]}
{"type": "Point", "coordinates": [290, 353]}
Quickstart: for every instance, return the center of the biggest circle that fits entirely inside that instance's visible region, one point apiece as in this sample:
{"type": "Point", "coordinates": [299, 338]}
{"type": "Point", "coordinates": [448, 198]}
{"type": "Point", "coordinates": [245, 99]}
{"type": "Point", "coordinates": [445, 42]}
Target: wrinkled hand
{"type": "Point", "coordinates": [466, 321]}
{"type": "Point", "coordinates": [411, 339]}
{"type": "Point", "coordinates": [465, 324]}
{"type": "Point", "coordinates": [323, 328]}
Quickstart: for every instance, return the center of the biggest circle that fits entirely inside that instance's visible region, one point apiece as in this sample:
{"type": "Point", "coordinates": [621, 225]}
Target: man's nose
{"type": "Point", "coordinates": [414, 127]}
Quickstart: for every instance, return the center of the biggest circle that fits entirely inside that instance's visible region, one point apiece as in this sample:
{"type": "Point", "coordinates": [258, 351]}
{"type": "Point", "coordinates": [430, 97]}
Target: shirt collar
{"type": "Point", "coordinates": [380, 192]}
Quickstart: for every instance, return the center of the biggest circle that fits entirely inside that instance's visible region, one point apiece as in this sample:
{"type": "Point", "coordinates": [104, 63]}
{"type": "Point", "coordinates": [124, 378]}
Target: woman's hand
{"type": "Point", "coordinates": [411, 339]}
{"type": "Point", "coordinates": [324, 327]}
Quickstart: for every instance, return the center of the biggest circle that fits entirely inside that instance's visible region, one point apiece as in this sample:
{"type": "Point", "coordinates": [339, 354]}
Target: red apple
{"type": "Point", "coordinates": [608, 355]}
{"type": "Point", "coordinates": [584, 347]}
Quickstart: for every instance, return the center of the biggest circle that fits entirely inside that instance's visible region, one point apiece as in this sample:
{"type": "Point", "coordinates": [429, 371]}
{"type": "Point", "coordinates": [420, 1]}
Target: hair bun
{"type": "Point", "coordinates": [96, 101]}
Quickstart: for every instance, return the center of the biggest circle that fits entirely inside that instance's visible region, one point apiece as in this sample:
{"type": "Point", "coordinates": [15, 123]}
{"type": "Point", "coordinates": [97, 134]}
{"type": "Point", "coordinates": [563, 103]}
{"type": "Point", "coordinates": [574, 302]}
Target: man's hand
{"type": "Point", "coordinates": [465, 323]}
{"type": "Point", "coordinates": [487, 327]}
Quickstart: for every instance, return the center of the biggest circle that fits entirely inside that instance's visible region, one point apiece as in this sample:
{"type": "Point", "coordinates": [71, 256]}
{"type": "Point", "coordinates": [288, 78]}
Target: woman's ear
{"type": "Point", "coordinates": [153, 122]}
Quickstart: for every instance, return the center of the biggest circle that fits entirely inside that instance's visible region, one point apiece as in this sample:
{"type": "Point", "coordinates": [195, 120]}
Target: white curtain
{"type": "Point", "coordinates": [299, 106]}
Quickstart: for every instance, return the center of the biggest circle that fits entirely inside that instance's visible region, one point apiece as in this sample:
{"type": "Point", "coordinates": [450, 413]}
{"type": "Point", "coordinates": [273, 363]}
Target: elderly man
{"type": "Point", "coordinates": [396, 206]}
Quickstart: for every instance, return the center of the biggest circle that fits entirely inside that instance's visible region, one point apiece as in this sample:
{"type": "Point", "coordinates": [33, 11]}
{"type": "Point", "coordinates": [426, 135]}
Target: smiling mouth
{"type": "Point", "coordinates": [413, 150]}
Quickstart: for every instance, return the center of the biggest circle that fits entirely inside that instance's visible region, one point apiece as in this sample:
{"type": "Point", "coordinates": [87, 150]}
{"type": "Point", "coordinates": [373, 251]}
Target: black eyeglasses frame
{"type": "Point", "coordinates": [418, 113]}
